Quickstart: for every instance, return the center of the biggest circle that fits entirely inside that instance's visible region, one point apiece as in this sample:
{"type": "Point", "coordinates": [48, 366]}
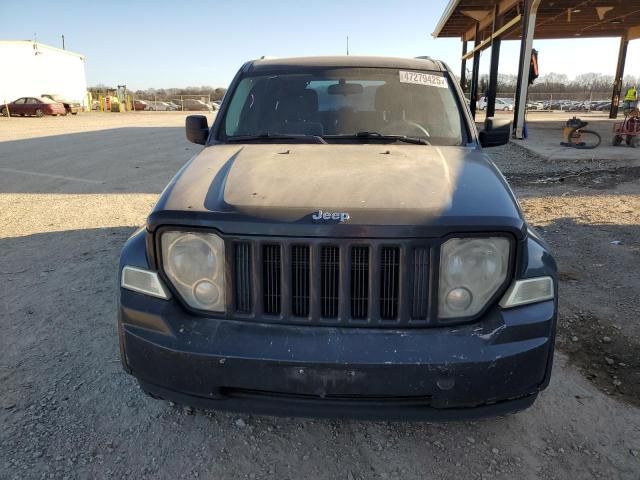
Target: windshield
{"type": "Point", "coordinates": [346, 103]}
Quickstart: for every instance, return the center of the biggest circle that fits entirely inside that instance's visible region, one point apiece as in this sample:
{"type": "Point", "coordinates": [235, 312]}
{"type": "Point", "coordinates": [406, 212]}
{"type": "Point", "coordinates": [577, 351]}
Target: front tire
{"type": "Point", "coordinates": [39, 113]}
{"type": "Point", "coordinates": [4, 112]}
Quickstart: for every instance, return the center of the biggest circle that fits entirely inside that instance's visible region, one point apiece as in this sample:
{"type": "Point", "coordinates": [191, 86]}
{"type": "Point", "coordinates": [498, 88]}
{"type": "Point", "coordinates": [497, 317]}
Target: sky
{"type": "Point", "coordinates": [162, 44]}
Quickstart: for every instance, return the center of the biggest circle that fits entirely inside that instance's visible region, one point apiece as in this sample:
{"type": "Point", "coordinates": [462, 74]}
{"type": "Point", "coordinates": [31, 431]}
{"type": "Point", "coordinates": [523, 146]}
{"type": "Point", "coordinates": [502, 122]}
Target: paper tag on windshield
{"type": "Point", "coordinates": [421, 78]}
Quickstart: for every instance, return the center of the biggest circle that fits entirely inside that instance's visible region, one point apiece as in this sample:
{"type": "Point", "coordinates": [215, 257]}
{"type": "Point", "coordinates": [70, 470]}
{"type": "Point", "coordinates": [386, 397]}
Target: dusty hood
{"type": "Point", "coordinates": [373, 184]}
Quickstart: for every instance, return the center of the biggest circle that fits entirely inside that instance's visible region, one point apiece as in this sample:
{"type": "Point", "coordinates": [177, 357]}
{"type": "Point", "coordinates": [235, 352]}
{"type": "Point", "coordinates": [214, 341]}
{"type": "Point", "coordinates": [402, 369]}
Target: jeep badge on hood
{"type": "Point", "coordinates": [320, 215]}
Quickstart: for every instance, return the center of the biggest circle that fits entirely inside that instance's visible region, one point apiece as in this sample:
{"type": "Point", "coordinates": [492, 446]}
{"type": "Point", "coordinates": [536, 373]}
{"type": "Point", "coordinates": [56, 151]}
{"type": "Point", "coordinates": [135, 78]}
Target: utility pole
{"type": "Point", "coordinates": [347, 45]}
{"type": "Point", "coordinates": [63, 42]}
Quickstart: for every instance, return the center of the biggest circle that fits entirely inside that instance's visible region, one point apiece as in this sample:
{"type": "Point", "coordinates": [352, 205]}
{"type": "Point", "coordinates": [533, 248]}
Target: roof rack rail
{"type": "Point", "coordinates": [424, 57]}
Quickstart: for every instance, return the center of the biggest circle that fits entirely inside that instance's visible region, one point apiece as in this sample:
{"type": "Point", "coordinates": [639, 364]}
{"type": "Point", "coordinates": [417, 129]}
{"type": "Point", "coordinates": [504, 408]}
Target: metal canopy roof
{"type": "Point", "coordinates": [555, 19]}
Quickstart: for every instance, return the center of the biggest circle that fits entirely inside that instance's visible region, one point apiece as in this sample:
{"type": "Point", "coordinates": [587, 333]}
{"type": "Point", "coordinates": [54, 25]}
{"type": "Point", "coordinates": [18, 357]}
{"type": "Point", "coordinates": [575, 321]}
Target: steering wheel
{"type": "Point", "coordinates": [397, 126]}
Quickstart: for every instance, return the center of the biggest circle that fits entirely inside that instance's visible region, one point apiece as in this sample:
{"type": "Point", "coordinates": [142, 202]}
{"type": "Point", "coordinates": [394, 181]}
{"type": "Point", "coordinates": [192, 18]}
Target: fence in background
{"type": "Point", "coordinates": [174, 102]}
{"type": "Point", "coordinates": [563, 101]}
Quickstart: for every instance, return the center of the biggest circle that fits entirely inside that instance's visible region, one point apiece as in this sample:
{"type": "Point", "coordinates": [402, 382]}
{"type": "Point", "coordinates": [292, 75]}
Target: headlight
{"type": "Point", "coordinates": [471, 271]}
{"type": "Point", "coordinates": [194, 262]}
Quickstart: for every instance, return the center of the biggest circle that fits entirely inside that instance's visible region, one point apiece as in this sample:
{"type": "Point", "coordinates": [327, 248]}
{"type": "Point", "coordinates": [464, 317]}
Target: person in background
{"type": "Point", "coordinates": [631, 99]}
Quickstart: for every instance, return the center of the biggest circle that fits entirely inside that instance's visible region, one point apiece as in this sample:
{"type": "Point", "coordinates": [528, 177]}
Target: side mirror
{"type": "Point", "coordinates": [197, 129]}
{"type": "Point", "coordinates": [496, 132]}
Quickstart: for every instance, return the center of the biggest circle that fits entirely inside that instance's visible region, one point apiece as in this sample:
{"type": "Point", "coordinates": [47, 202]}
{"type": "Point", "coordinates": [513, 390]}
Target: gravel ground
{"type": "Point", "coordinates": [589, 212]}
{"type": "Point", "coordinates": [72, 189]}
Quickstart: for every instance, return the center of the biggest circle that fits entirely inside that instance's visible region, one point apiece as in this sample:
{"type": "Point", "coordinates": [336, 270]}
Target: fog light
{"type": "Point", "coordinates": [206, 292]}
{"type": "Point", "coordinates": [459, 299]}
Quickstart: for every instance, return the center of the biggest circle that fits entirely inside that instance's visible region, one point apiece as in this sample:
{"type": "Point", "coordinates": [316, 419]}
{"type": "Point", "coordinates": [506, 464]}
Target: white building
{"type": "Point", "coordinates": [31, 69]}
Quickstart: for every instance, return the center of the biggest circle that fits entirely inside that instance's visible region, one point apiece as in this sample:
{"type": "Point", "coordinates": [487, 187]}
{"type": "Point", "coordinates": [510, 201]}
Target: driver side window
{"type": "Point", "coordinates": [241, 102]}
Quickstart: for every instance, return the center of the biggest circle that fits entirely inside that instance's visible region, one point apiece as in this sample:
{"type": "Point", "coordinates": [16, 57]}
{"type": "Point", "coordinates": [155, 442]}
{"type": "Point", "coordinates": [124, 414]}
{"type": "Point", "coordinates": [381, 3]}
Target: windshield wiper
{"type": "Point", "coordinates": [276, 136]}
{"type": "Point", "coordinates": [380, 136]}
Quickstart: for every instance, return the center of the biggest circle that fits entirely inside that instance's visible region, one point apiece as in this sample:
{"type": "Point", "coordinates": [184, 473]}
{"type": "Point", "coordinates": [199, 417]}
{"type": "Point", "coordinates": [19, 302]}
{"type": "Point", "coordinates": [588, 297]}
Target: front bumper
{"type": "Point", "coordinates": [493, 366]}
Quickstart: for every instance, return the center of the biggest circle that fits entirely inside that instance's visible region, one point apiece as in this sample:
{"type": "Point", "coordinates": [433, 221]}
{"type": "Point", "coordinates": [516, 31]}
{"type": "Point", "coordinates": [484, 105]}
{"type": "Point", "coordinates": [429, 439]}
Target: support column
{"type": "Point", "coordinates": [493, 71]}
{"type": "Point", "coordinates": [530, 11]}
{"type": "Point", "coordinates": [463, 68]}
{"type": "Point", "coordinates": [617, 81]}
{"type": "Point", "coordinates": [475, 73]}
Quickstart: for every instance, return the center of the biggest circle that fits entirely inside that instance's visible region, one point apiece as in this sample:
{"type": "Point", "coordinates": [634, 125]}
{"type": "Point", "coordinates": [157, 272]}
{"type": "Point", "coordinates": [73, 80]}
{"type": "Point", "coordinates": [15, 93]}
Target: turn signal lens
{"type": "Point", "coordinates": [529, 290]}
{"type": "Point", "coordinates": [143, 281]}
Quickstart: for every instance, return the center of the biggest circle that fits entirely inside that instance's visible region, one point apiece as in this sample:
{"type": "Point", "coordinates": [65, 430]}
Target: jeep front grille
{"type": "Point", "coordinates": [331, 282]}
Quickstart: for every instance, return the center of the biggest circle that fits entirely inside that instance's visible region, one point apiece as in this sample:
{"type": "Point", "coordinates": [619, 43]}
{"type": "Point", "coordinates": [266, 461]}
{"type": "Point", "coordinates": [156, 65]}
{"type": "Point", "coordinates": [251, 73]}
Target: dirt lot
{"type": "Point", "coordinates": [72, 189]}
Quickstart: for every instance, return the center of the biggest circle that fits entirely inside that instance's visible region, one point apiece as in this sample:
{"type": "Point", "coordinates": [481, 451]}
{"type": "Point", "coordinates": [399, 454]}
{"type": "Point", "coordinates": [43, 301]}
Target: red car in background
{"type": "Point", "coordinates": [37, 106]}
{"type": "Point", "coordinates": [141, 105]}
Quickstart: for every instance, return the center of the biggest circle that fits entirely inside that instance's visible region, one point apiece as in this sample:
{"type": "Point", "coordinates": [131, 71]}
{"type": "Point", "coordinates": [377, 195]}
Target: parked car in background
{"type": "Point", "coordinates": [554, 104]}
{"type": "Point", "coordinates": [70, 106]}
{"type": "Point", "coordinates": [156, 106]}
{"type": "Point", "coordinates": [602, 106]}
{"type": "Point", "coordinates": [162, 106]}
{"type": "Point", "coordinates": [214, 106]}
{"type": "Point", "coordinates": [38, 106]}
{"type": "Point", "coordinates": [175, 104]}
{"type": "Point", "coordinates": [140, 105]}
{"type": "Point", "coordinates": [198, 105]}
{"type": "Point", "coordinates": [504, 104]}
